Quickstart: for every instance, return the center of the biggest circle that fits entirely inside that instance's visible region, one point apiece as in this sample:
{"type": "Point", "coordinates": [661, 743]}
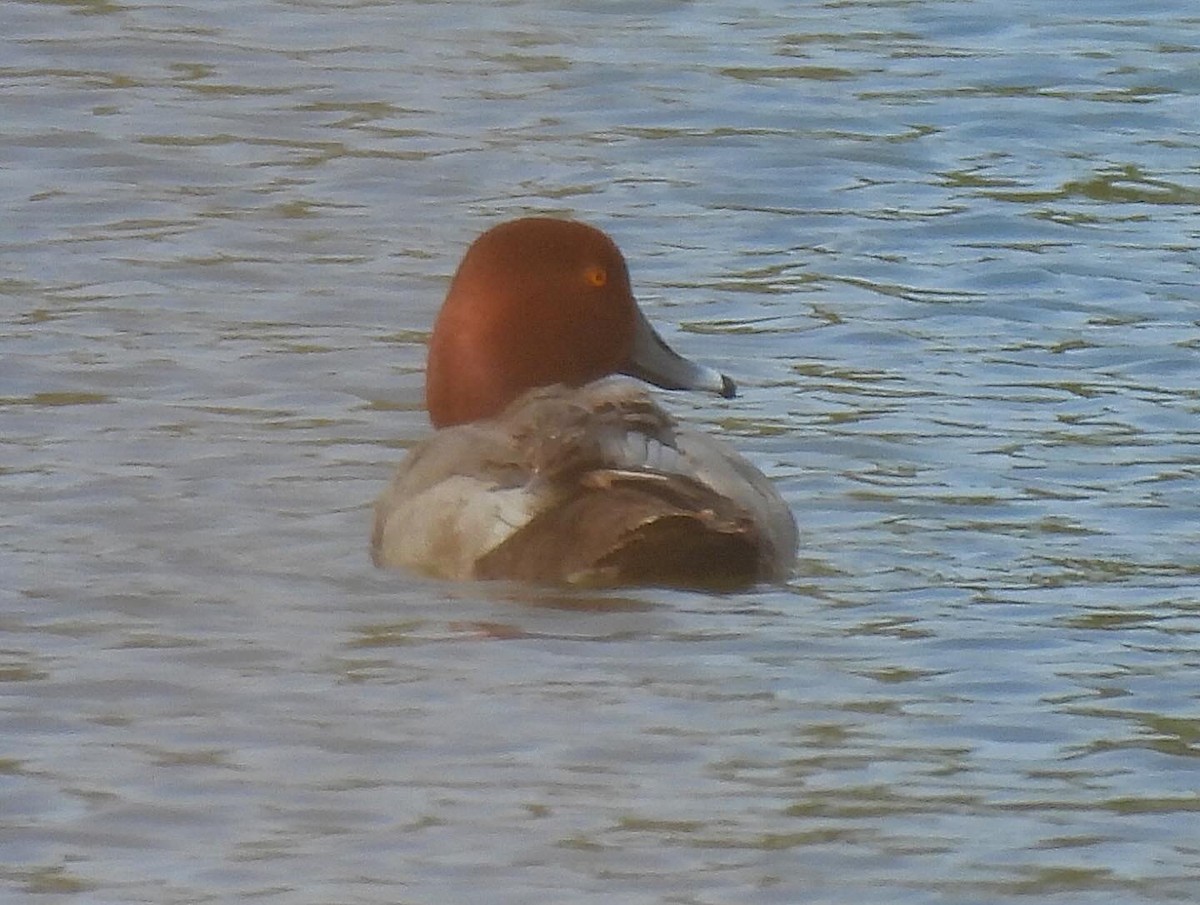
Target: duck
{"type": "Point", "coordinates": [551, 462]}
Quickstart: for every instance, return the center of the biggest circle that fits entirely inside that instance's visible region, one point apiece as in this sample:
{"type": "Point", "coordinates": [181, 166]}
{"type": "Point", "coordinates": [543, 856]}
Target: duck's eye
{"type": "Point", "coordinates": [596, 276]}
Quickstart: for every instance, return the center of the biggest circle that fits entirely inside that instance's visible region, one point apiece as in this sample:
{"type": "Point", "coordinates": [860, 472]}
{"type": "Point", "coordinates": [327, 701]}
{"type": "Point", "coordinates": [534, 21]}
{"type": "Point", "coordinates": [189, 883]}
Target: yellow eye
{"type": "Point", "coordinates": [596, 276]}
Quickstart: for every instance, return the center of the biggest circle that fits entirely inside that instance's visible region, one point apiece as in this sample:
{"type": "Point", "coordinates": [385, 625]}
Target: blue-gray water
{"type": "Point", "coordinates": [950, 249]}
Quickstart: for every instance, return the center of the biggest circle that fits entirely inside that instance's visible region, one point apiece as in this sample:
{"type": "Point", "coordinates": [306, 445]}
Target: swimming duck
{"type": "Point", "coordinates": [546, 466]}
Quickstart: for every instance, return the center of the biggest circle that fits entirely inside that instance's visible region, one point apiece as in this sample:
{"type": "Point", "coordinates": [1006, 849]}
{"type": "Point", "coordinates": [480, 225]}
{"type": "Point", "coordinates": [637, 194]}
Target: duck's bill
{"type": "Point", "coordinates": [653, 361]}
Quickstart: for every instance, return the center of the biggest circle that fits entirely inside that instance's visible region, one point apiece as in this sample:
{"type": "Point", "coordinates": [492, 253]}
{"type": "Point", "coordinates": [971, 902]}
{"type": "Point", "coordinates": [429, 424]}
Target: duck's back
{"type": "Point", "coordinates": [595, 486]}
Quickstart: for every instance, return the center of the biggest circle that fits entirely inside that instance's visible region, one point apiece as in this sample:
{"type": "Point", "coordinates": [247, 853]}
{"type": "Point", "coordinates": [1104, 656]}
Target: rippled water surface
{"type": "Point", "coordinates": [950, 249]}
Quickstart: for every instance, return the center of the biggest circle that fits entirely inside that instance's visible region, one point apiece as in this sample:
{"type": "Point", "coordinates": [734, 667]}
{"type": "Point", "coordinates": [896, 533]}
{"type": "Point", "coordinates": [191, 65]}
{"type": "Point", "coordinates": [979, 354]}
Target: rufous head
{"type": "Point", "coordinates": [541, 301]}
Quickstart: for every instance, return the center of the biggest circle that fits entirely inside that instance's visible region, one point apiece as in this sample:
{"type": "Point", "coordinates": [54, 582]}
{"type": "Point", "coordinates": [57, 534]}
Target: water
{"type": "Point", "coordinates": [950, 250]}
